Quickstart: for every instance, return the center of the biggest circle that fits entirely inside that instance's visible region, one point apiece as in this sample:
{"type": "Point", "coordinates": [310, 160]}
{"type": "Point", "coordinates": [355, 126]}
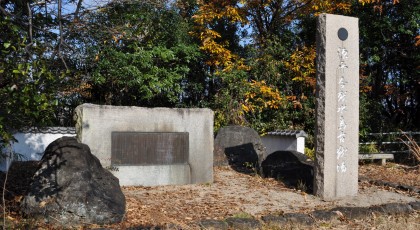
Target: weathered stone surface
{"type": "Point", "coordinates": [291, 167]}
{"type": "Point", "coordinates": [393, 208]}
{"type": "Point", "coordinates": [299, 218]}
{"type": "Point", "coordinates": [409, 188]}
{"type": "Point", "coordinates": [337, 107]}
{"type": "Point", "coordinates": [324, 215]}
{"type": "Point", "coordinates": [239, 147]}
{"type": "Point", "coordinates": [71, 187]}
{"type": "Point", "coordinates": [96, 123]}
{"type": "Point", "coordinates": [288, 218]}
{"type": "Point", "coordinates": [213, 224]}
{"type": "Point", "coordinates": [415, 205]}
{"type": "Point", "coordinates": [353, 212]}
{"type": "Point", "coordinates": [274, 220]}
{"type": "Point", "coordinates": [243, 223]}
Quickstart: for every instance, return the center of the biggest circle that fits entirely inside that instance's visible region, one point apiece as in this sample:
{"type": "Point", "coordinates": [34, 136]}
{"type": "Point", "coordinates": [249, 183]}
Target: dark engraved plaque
{"type": "Point", "coordinates": [149, 148]}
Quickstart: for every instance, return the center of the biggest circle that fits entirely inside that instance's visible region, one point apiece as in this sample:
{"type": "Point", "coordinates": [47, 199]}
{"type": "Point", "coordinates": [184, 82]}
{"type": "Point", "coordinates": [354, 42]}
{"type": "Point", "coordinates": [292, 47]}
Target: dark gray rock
{"type": "Point", "coordinates": [392, 209]}
{"type": "Point", "coordinates": [274, 220]}
{"type": "Point", "coordinates": [353, 212]}
{"type": "Point", "coordinates": [324, 215]}
{"type": "Point", "coordinates": [213, 224]}
{"type": "Point", "coordinates": [72, 188]}
{"type": "Point", "coordinates": [300, 218]}
{"type": "Point", "coordinates": [243, 223]}
{"type": "Point", "coordinates": [415, 205]}
{"type": "Point", "coordinates": [291, 167]}
{"type": "Point", "coordinates": [240, 147]}
{"type": "Point", "coordinates": [408, 188]}
{"type": "Point", "coordinates": [288, 218]}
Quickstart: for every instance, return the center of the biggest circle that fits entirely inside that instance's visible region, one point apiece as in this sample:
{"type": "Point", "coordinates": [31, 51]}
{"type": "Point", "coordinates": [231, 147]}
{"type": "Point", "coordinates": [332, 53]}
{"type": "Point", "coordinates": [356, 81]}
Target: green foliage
{"type": "Point", "coordinates": [140, 77]}
{"type": "Point", "coordinates": [310, 153]}
{"type": "Point", "coordinates": [27, 93]}
{"type": "Point", "coordinates": [143, 55]}
{"type": "Point", "coordinates": [229, 99]}
{"type": "Point", "coordinates": [368, 148]}
{"type": "Point", "coordinates": [390, 61]}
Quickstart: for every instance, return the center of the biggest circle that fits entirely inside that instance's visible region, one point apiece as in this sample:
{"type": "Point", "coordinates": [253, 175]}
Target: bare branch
{"type": "Point", "coordinates": [60, 23]}
{"type": "Point", "coordinates": [76, 13]}
{"type": "Point", "coordinates": [29, 45]}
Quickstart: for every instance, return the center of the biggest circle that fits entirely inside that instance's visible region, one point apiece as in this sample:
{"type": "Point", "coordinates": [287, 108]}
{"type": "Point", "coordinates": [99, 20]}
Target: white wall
{"type": "Point", "coordinates": [274, 143]}
{"type": "Point", "coordinates": [29, 147]}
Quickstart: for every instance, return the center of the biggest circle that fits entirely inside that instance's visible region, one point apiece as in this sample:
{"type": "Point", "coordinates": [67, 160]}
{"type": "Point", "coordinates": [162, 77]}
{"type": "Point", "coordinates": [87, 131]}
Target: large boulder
{"type": "Point", "coordinates": [240, 147]}
{"type": "Point", "coordinates": [71, 187]}
{"type": "Point", "coordinates": [291, 167]}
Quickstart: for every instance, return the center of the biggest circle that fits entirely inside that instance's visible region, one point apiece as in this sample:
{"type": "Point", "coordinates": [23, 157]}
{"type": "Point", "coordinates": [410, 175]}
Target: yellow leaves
{"type": "Point", "coordinates": [377, 4]}
{"type": "Point", "coordinates": [302, 64]}
{"type": "Point", "coordinates": [346, 7]}
{"type": "Point", "coordinates": [260, 97]}
{"type": "Point", "coordinates": [219, 56]}
{"type": "Point", "coordinates": [363, 2]}
{"type": "Point", "coordinates": [218, 9]}
{"type": "Point", "coordinates": [329, 6]}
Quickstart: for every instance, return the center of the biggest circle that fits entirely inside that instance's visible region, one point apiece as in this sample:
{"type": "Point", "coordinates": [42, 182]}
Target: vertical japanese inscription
{"type": "Point", "coordinates": [341, 103]}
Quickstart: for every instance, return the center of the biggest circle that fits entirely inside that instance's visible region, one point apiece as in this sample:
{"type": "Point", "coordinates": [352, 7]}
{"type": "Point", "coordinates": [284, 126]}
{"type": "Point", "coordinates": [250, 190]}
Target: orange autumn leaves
{"type": "Point", "coordinates": [260, 95]}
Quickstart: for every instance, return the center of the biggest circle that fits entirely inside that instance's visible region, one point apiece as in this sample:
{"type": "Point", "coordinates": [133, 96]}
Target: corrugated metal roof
{"type": "Point", "coordinates": [52, 130]}
{"type": "Point", "coordinates": [297, 133]}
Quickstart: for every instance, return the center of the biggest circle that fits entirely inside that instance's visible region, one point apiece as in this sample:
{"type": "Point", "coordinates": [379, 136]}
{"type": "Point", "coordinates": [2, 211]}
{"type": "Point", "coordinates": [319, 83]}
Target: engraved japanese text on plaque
{"type": "Point", "coordinates": [149, 148]}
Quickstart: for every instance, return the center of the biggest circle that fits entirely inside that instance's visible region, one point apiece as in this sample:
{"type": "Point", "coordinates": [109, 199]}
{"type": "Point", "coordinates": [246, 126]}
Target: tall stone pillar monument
{"type": "Point", "coordinates": [337, 109]}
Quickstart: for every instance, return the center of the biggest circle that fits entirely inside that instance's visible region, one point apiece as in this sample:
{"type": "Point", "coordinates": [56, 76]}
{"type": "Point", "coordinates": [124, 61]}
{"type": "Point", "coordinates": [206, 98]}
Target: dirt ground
{"type": "Point", "coordinates": [234, 194]}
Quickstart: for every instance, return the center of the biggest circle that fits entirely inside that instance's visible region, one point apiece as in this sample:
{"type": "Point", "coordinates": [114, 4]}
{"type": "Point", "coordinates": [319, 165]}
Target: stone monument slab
{"type": "Point", "coordinates": [337, 109]}
{"type": "Point", "coordinates": [96, 123]}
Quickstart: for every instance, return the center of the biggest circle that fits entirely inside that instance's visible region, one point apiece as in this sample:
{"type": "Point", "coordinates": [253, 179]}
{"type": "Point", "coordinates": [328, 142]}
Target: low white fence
{"type": "Point", "coordinates": [390, 143]}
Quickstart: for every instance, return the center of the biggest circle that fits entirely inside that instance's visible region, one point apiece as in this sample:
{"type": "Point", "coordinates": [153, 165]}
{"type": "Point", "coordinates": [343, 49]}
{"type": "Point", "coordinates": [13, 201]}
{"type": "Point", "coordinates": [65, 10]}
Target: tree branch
{"type": "Point", "coordinates": [60, 26]}
{"type": "Point", "coordinates": [76, 13]}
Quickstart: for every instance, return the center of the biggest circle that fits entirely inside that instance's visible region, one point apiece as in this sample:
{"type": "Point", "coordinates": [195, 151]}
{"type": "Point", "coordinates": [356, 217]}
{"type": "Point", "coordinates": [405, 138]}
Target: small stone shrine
{"type": "Point", "coordinates": [279, 140]}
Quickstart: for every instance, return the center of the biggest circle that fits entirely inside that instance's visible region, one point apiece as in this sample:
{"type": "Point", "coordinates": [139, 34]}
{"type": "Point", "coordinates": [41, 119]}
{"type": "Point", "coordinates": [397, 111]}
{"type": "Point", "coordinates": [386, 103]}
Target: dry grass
{"type": "Point", "coordinates": [413, 147]}
{"type": "Point", "coordinates": [392, 172]}
{"type": "Point", "coordinates": [409, 222]}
